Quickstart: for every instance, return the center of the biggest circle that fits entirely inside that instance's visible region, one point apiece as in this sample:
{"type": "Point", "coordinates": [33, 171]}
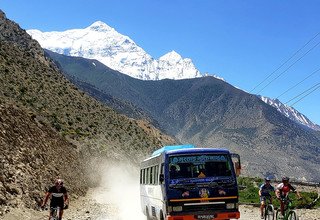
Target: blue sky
{"type": "Point", "coordinates": [241, 41]}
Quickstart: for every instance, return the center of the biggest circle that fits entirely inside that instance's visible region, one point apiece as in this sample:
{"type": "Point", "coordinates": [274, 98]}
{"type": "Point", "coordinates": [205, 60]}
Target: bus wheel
{"type": "Point", "coordinates": [148, 214]}
{"type": "Point", "coordinates": [161, 215]}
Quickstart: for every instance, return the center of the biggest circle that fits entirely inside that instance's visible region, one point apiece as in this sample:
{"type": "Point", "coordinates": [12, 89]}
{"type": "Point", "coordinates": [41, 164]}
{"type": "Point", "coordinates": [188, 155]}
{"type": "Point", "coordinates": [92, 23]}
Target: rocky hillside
{"type": "Point", "coordinates": [49, 127]}
{"type": "Point", "coordinates": [32, 156]}
{"type": "Point", "coordinates": [31, 80]}
{"type": "Point", "coordinates": [209, 112]}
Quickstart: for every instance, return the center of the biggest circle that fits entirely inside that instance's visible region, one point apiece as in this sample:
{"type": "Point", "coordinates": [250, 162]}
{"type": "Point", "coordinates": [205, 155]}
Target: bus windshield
{"type": "Point", "coordinates": [199, 166]}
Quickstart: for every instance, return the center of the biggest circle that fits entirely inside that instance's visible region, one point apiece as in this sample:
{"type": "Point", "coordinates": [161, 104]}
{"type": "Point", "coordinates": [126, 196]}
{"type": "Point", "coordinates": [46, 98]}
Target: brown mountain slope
{"type": "Point", "coordinates": [209, 112]}
{"type": "Point", "coordinates": [32, 156]}
{"type": "Point", "coordinates": [31, 80]}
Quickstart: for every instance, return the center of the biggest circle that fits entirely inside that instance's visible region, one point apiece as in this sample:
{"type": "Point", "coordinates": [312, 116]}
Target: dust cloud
{"type": "Point", "coordinates": [119, 190]}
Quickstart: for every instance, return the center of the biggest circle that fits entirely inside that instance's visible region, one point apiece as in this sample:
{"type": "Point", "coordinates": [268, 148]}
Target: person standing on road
{"type": "Point", "coordinates": [59, 198]}
{"type": "Point", "coordinates": [264, 194]}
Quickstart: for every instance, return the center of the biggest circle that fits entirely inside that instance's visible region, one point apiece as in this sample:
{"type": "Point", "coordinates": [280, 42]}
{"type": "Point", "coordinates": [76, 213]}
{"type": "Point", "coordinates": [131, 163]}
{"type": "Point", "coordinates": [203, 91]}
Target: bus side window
{"type": "Point", "coordinates": [161, 176]}
{"type": "Point", "coordinates": [162, 169]}
{"type": "Point", "coordinates": [148, 176]}
{"type": "Point", "coordinates": [156, 175]}
{"type": "Point", "coordinates": [151, 175]}
{"type": "Point", "coordinates": [142, 176]}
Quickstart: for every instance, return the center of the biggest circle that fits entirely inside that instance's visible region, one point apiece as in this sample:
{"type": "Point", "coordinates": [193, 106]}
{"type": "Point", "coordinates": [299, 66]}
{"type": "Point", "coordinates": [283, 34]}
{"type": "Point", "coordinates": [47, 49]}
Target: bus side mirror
{"type": "Point", "coordinates": [236, 163]}
{"type": "Point", "coordinates": [161, 178]}
{"type": "Point", "coordinates": [238, 168]}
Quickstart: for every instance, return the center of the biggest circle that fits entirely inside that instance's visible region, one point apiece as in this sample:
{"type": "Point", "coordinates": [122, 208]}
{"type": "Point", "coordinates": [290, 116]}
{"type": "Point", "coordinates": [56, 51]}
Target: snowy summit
{"type": "Point", "coordinates": [290, 113]}
{"type": "Point", "coordinates": [102, 42]}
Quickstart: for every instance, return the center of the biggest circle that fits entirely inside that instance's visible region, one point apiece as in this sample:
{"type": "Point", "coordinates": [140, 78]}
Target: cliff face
{"type": "Point", "coordinates": [32, 155]}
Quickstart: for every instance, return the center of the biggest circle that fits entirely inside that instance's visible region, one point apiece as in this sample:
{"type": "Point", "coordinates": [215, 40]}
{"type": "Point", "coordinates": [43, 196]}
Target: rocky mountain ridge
{"type": "Point", "coordinates": [103, 43]}
{"type": "Point", "coordinates": [209, 112]}
{"type": "Point", "coordinates": [290, 112]}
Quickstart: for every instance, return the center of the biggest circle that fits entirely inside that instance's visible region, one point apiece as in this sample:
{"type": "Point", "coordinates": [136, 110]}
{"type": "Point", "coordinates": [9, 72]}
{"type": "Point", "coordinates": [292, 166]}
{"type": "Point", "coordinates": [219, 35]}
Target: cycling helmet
{"type": "Point", "coordinates": [59, 182]}
{"type": "Point", "coordinates": [267, 178]}
{"type": "Point", "coordinates": [285, 178]}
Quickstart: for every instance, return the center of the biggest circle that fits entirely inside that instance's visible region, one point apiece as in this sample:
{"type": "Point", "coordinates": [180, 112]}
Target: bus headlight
{"type": "Point", "coordinates": [177, 208]}
{"type": "Point", "coordinates": [231, 205]}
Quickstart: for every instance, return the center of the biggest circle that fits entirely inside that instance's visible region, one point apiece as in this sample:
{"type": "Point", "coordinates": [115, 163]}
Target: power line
{"type": "Point", "coordinates": [306, 95]}
{"type": "Point", "coordinates": [312, 88]}
{"type": "Point", "coordinates": [234, 113]}
{"type": "Point", "coordinates": [298, 83]}
{"type": "Point", "coordinates": [285, 61]}
{"type": "Point", "coordinates": [289, 67]}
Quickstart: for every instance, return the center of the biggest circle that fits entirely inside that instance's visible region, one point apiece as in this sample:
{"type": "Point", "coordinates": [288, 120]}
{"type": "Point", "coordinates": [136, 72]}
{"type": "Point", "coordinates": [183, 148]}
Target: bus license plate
{"type": "Point", "coordinates": [204, 217]}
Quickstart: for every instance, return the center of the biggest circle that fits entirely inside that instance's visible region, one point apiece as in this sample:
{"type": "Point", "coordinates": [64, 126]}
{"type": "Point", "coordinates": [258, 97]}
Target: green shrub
{"type": "Point", "coordinates": [249, 187]}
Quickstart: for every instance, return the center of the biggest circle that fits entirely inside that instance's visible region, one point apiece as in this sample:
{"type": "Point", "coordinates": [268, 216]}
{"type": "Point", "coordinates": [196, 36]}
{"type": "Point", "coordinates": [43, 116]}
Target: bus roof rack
{"type": "Point", "coordinates": [173, 147]}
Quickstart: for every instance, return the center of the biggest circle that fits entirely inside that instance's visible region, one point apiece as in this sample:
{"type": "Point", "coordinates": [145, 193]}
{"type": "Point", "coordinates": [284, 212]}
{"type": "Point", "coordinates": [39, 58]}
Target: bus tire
{"type": "Point", "coordinates": [148, 214]}
{"type": "Point", "coordinates": [161, 215]}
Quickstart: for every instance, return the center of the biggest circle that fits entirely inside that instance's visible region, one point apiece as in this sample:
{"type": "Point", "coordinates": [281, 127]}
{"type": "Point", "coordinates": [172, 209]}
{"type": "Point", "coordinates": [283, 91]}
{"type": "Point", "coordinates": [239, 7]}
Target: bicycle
{"type": "Point", "coordinates": [55, 213]}
{"type": "Point", "coordinates": [268, 210]}
{"type": "Point", "coordinates": [289, 212]}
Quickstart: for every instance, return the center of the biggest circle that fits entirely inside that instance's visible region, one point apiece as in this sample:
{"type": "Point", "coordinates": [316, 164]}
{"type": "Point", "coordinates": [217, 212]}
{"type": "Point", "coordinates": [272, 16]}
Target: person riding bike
{"type": "Point", "coordinates": [59, 198]}
{"type": "Point", "coordinates": [282, 191]}
{"type": "Point", "coordinates": [264, 194]}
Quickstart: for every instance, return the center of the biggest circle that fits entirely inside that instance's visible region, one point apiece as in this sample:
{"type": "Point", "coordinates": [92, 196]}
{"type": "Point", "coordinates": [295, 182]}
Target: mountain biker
{"type": "Point", "coordinates": [59, 198]}
{"type": "Point", "coordinates": [264, 194]}
{"type": "Point", "coordinates": [282, 191]}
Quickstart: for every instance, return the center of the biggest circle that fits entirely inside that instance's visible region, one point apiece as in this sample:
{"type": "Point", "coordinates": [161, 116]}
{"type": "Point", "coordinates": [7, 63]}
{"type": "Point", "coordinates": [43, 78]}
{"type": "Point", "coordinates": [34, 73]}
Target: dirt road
{"type": "Point", "coordinates": [118, 198]}
{"type": "Point", "coordinates": [252, 213]}
{"type": "Point", "coordinates": [95, 207]}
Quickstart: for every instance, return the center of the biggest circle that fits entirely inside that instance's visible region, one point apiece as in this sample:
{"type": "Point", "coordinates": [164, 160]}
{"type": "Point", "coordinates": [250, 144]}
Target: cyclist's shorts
{"type": "Point", "coordinates": [264, 198]}
{"type": "Point", "coordinates": [57, 204]}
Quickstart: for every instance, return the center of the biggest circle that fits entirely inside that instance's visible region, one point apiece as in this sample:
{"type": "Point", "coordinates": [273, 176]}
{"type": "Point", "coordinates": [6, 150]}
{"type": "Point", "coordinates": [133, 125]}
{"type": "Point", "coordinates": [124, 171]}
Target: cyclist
{"type": "Point", "coordinates": [282, 191]}
{"type": "Point", "coordinates": [264, 194]}
{"type": "Point", "coordinates": [59, 198]}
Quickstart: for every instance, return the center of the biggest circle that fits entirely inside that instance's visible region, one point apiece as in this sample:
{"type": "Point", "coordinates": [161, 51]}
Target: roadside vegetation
{"type": "Point", "coordinates": [249, 187]}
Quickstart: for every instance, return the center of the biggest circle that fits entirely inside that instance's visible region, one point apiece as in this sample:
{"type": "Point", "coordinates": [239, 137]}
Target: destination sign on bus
{"type": "Point", "coordinates": [197, 159]}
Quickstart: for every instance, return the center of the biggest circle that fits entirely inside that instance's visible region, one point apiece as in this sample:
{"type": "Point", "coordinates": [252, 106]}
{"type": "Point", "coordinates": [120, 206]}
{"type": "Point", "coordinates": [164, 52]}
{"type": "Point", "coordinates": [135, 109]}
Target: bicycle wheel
{"type": "Point", "coordinates": [292, 215]}
{"type": "Point", "coordinates": [278, 215]}
{"type": "Point", "coordinates": [54, 215]}
{"type": "Point", "coordinates": [269, 212]}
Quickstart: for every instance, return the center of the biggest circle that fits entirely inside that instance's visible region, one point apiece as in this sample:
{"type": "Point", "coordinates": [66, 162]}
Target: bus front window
{"type": "Point", "coordinates": [199, 166]}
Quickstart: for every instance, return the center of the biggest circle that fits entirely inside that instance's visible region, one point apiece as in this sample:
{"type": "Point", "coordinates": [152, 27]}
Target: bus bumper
{"type": "Point", "coordinates": [216, 216]}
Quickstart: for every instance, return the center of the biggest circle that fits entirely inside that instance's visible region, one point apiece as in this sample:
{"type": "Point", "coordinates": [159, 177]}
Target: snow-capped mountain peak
{"type": "Point", "coordinates": [172, 56]}
{"type": "Point", "coordinates": [290, 112]}
{"type": "Point", "coordinates": [100, 26]}
{"type": "Point", "coordinates": [102, 42]}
